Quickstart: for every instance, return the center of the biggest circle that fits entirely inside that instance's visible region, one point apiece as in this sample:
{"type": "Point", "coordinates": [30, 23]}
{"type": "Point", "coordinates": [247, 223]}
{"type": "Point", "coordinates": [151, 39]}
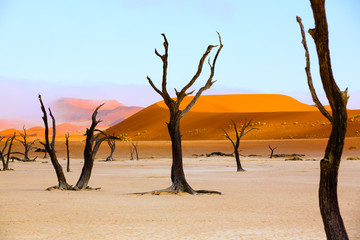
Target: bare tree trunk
{"type": "Point", "coordinates": [112, 145]}
{"type": "Point", "coordinates": [6, 167]}
{"type": "Point", "coordinates": [135, 150]}
{"type": "Point", "coordinates": [89, 156]}
{"type": "Point", "coordinates": [8, 154]}
{"type": "Point", "coordinates": [2, 160]}
{"type": "Point", "coordinates": [50, 148]}
{"type": "Point", "coordinates": [179, 183]}
{"type": "Point", "coordinates": [67, 152]}
{"type": "Point", "coordinates": [329, 165]}
{"type": "Point", "coordinates": [90, 151]}
{"type": "Point", "coordinates": [238, 163]}
{"type": "Point", "coordinates": [2, 155]}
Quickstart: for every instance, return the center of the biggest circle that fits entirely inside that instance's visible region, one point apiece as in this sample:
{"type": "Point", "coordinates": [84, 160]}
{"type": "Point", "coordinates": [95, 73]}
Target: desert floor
{"type": "Point", "coordinates": [273, 199]}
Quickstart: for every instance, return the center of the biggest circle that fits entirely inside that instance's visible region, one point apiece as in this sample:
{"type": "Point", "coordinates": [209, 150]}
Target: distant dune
{"type": "Point", "coordinates": [275, 116]}
{"type": "Point", "coordinates": [79, 111]}
{"type": "Point", "coordinates": [72, 115]}
{"type": "Point", "coordinates": [14, 123]}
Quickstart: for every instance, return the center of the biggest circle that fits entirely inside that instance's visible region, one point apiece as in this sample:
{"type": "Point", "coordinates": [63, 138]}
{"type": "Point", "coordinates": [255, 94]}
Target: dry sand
{"type": "Point", "coordinates": [273, 199]}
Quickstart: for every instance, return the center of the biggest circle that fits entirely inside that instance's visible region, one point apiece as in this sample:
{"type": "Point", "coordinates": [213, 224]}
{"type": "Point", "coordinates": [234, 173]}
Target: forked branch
{"type": "Point", "coordinates": [208, 83]}
{"type": "Point", "coordinates": [163, 93]}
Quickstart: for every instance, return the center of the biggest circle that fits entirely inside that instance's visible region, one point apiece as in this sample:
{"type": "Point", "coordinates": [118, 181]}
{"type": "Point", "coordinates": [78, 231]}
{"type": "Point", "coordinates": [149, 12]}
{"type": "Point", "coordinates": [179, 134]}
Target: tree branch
{"type": "Point", "coordinates": [209, 82]}
{"type": "Point", "coordinates": [54, 130]}
{"type": "Point", "coordinates": [228, 137]}
{"type": "Point", "coordinates": [308, 73]}
{"type": "Point", "coordinates": [154, 87]}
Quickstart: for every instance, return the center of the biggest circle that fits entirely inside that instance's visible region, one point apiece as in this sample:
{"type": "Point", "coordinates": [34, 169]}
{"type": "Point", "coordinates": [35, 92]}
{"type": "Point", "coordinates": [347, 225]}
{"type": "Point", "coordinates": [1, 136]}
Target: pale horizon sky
{"type": "Point", "coordinates": [105, 49]}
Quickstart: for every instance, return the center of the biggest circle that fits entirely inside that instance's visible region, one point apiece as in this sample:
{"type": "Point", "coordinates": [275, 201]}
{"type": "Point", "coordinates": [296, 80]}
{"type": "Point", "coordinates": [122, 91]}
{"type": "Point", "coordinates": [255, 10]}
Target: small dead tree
{"type": "Point", "coordinates": [5, 157]}
{"type": "Point", "coordinates": [329, 165]}
{"type": "Point", "coordinates": [111, 143]}
{"type": "Point", "coordinates": [92, 145]}
{"type": "Point", "coordinates": [236, 144]}
{"type": "Point", "coordinates": [27, 145]}
{"type": "Point", "coordinates": [135, 150]}
{"type": "Point", "coordinates": [67, 152]}
{"type": "Point", "coordinates": [50, 148]}
{"type": "Point", "coordinates": [272, 150]}
{"type": "Point", "coordinates": [179, 183]}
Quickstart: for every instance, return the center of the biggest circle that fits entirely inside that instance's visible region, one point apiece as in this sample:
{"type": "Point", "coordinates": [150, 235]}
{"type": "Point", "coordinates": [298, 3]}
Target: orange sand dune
{"type": "Point", "coordinates": [8, 132]}
{"type": "Point", "coordinates": [248, 103]}
{"type": "Point", "coordinates": [274, 116]}
{"type": "Point", "coordinates": [39, 132]}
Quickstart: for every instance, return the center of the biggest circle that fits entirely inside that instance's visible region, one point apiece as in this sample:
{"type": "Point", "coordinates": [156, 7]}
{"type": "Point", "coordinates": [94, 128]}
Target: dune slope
{"type": "Point", "coordinates": [274, 116]}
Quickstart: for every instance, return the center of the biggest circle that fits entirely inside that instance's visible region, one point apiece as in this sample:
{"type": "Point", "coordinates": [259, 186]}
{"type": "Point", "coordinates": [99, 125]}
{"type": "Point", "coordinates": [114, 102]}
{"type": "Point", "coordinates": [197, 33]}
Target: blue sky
{"type": "Point", "coordinates": [105, 49]}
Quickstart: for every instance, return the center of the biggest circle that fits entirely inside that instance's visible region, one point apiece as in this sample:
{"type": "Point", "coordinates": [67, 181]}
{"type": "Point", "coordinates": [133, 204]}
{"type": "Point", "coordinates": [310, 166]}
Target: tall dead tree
{"type": "Point", "coordinates": [5, 157]}
{"type": "Point", "coordinates": [236, 144]}
{"type": "Point", "coordinates": [27, 145]}
{"type": "Point", "coordinates": [329, 165]}
{"type": "Point", "coordinates": [112, 145]}
{"type": "Point", "coordinates": [50, 148]}
{"type": "Point", "coordinates": [179, 183]}
{"type": "Point", "coordinates": [67, 152]}
{"type": "Point", "coordinates": [92, 145]}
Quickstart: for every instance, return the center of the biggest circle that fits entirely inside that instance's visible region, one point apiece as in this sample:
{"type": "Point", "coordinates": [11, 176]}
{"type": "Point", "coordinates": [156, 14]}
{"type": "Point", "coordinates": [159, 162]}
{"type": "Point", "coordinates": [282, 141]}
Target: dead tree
{"type": "Point", "coordinates": [135, 150]}
{"type": "Point", "coordinates": [179, 183]}
{"type": "Point", "coordinates": [5, 157]}
{"type": "Point", "coordinates": [67, 152]}
{"type": "Point", "coordinates": [272, 150]}
{"type": "Point", "coordinates": [329, 165]}
{"type": "Point", "coordinates": [111, 143]}
{"type": "Point", "coordinates": [27, 145]}
{"type": "Point", "coordinates": [92, 145]}
{"type": "Point", "coordinates": [50, 148]}
{"type": "Point", "coordinates": [236, 144]}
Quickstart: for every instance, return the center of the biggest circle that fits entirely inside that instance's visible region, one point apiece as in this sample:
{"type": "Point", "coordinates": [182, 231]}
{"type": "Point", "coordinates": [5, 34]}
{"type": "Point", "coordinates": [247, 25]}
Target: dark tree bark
{"type": "Point", "coordinates": [179, 183]}
{"type": "Point", "coordinates": [135, 150]}
{"type": "Point", "coordinates": [67, 152]}
{"type": "Point", "coordinates": [111, 143]}
{"type": "Point", "coordinates": [272, 150]}
{"type": "Point", "coordinates": [132, 150]}
{"type": "Point", "coordinates": [92, 145]}
{"type": "Point", "coordinates": [6, 167]}
{"type": "Point", "coordinates": [50, 148]}
{"type": "Point", "coordinates": [5, 157]}
{"type": "Point", "coordinates": [236, 144]}
{"type": "Point", "coordinates": [27, 145]}
{"type": "Point", "coordinates": [329, 165]}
